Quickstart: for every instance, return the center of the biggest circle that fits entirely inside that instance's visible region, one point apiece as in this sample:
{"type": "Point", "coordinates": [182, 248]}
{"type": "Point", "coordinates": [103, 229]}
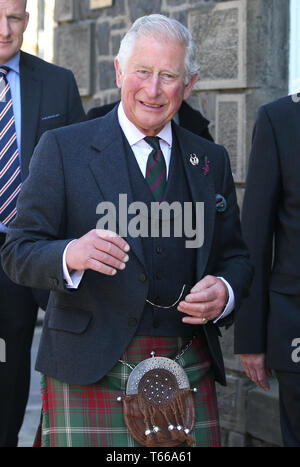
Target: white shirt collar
{"type": "Point", "coordinates": [134, 135]}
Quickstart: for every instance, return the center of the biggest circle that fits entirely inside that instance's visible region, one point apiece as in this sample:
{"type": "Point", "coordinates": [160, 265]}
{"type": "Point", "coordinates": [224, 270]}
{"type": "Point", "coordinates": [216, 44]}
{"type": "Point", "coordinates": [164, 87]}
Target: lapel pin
{"type": "Point", "coordinates": [221, 203]}
{"type": "Point", "coordinates": [194, 159]}
{"type": "Point", "coordinates": [205, 168]}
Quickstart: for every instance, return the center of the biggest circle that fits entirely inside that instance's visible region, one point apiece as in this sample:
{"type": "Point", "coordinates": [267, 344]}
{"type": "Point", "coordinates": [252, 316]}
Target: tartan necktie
{"type": "Point", "coordinates": [10, 171]}
{"type": "Point", "coordinates": [156, 169]}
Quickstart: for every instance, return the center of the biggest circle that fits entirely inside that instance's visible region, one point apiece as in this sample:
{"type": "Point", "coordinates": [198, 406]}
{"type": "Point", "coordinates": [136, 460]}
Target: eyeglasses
{"type": "Point", "coordinates": [173, 304]}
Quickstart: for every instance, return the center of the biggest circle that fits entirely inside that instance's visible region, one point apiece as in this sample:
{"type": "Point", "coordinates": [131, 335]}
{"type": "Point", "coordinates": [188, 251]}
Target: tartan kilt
{"type": "Point", "coordinates": [91, 415]}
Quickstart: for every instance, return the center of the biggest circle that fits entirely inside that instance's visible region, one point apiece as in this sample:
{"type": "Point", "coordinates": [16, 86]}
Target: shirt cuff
{"type": "Point", "coordinates": [230, 304]}
{"type": "Point", "coordinates": [73, 279]}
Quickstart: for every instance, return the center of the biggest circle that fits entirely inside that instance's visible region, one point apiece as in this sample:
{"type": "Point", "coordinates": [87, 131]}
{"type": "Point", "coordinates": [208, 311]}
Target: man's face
{"type": "Point", "coordinates": [13, 23]}
{"type": "Point", "coordinates": [152, 84]}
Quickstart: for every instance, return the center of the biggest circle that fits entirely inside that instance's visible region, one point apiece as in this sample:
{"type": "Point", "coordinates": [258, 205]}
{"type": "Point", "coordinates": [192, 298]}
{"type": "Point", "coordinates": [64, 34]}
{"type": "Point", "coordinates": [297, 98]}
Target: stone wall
{"type": "Point", "coordinates": [243, 53]}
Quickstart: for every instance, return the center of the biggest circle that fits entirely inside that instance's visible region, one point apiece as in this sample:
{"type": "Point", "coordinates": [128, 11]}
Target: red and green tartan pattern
{"type": "Point", "coordinates": [91, 415]}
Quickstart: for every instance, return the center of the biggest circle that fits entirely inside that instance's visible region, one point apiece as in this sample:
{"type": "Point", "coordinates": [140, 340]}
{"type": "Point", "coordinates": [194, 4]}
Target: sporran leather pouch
{"type": "Point", "coordinates": [159, 409]}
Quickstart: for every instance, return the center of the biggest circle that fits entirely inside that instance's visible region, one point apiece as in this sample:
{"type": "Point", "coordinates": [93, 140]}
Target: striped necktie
{"type": "Point", "coordinates": [10, 172]}
{"type": "Point", "coordinates": [156, 169]}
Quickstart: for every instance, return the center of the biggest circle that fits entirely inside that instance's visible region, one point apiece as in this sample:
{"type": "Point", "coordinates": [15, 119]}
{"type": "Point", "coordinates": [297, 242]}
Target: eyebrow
{"type": "Point", "coordinates": [16, 15]}
{"type": "Point", "coordinates": [164, 70]}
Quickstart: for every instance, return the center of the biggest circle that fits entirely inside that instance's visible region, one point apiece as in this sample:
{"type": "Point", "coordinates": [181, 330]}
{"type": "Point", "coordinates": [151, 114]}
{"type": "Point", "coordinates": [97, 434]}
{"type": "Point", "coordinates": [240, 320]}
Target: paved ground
{"type": "Point", "coordinates": [32, 416]}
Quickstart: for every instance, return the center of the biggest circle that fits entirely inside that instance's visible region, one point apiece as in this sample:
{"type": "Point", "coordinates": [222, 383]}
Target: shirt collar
{"type": "Point", "coordinates": [14, 63]}
{"type": "Point", "coordinates": [134, 135]}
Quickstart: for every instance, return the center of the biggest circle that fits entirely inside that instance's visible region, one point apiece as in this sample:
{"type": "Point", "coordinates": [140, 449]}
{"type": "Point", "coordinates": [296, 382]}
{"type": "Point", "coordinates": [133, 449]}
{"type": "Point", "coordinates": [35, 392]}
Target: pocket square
{"type": "Point", "coordinates": [50, 116]}
{"type": "Point", "coordinates": [221, 203]}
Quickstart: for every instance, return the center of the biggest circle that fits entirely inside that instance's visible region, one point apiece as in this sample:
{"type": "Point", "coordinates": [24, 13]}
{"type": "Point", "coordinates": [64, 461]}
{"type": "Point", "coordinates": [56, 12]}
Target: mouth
{"type": "Point", "coordinates": [152, 106]}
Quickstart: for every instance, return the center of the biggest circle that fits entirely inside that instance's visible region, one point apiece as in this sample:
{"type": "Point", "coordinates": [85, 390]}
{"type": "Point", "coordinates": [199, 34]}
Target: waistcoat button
{"type": "Point", "coordinates": [143, 277]}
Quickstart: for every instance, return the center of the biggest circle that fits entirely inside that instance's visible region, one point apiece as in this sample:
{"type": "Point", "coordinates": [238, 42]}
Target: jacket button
{"type": "Point", "coordinates": [54, 281]}
{"type": "Point", "coordinates": [132, 322]}
{"type": "Point", "coordinates": [143, 277]}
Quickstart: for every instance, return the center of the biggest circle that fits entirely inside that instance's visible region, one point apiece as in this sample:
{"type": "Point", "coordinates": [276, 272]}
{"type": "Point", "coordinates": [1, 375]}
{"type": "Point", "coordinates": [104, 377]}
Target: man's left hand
{"type": "Point", "coordinates": [206, 301]}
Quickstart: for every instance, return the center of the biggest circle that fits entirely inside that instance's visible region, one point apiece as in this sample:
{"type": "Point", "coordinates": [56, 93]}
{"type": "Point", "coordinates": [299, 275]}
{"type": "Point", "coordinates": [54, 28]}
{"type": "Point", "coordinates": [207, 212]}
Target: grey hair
{"type": "Point", "coordinates": [160, 26]}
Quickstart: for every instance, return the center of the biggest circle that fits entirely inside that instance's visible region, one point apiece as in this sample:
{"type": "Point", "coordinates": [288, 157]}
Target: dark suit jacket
{"type": "Point", "coordinates": [189, 118]}
{"type": "Point", "coordinates": [49, 99]}
{"type": "Point", "coordinates": [269, 319]}
{"type": "Point", "coordinates": [73, 170]}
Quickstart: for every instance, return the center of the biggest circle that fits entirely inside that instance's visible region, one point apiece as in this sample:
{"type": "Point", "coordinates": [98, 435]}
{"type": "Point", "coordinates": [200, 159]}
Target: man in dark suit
{"type": "Point", "coordinates": [187, 117]}
{"type": "Point", "coordinates": [36, 96]}
{"type": "Point", "coordinates": [115, 297]}
{"type": "Point", "coordinates": [267, 329]}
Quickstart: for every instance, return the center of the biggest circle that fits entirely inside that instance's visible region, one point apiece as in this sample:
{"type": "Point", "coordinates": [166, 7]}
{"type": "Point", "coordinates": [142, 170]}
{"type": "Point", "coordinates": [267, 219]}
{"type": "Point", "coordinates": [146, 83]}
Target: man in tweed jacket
{"type": "Point", "coordinates": [107, 292]}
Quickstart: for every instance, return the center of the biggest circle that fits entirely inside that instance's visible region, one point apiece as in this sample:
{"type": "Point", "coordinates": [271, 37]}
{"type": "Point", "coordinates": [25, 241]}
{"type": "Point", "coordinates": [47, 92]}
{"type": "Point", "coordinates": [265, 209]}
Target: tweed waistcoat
{"type": "Point", "coordinates": [169, 264]}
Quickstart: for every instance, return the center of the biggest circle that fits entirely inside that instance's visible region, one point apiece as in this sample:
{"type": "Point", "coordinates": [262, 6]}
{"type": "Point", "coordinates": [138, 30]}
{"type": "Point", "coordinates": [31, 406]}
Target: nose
{"type": "Point", "coordinates": [4, 26]}
{"type": "Point", "coordinates": [153, 86]}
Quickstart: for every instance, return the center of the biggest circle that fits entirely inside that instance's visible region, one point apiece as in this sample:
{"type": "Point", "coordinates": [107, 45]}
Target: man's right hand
{"type": "Point", "coordinates": [254, 366]}
{"type": "Point", "coordinates": [101, 250]}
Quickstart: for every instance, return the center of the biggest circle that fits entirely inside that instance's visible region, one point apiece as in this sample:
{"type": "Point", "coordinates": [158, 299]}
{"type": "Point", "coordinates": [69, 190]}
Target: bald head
{"type": "Point", "coordinates": [13, 23]}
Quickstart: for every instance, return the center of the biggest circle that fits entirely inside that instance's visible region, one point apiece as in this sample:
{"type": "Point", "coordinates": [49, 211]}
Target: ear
{"type": "Point", "coordinates": [26, 21]}
{"type": "Point", "coordinates": [119, 74]}
{"type": "Point", "coordinates": [188, 87]}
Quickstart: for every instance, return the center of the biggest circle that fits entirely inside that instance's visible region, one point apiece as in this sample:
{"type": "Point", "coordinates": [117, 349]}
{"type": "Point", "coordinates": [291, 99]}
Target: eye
{"type": "Point", "coordinates": [143, 73]}
{"type": "Point", "coordinates": [14, 19]}
{"type": "Point", "coordinates": [168, 77]}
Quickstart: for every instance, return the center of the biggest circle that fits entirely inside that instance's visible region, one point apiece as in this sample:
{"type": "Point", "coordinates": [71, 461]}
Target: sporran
{"type": "Point", "coordinates": [158, 406]}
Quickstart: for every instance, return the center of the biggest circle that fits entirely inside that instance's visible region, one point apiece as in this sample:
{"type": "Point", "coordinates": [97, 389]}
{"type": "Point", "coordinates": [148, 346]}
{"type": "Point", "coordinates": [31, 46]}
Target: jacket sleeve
{"type": "Point", "coordinates": [229, 248]}
{"type": "Point", "coordinates": [258, 224]}
{"type": "Point", "coordinates": [32, 254]}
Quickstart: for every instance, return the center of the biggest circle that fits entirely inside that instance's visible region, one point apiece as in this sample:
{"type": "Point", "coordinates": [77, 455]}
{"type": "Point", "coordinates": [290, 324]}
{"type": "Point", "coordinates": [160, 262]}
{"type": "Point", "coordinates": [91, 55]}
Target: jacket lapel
{"type": "Point", "coordinates": [109, 168]}
{"type": "Point", "coordinates": [30, 106]}
{"type": "Point", "coordinates": [202, 189]}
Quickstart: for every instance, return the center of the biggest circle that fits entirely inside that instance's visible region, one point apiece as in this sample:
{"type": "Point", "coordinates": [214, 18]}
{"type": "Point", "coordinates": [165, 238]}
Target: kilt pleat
{"type": "Point", "coordinates": [91, 415]}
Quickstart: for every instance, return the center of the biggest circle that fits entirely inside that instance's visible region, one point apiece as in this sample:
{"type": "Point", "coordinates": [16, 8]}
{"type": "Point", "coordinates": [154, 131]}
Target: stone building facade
{"type": "Point", "coordinates": [243, 51]}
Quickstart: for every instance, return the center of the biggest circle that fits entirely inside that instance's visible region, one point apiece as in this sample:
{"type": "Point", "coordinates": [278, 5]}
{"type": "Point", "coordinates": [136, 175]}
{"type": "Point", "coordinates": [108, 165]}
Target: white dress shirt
{"type": "Point", "coordinates": [141, 150]}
